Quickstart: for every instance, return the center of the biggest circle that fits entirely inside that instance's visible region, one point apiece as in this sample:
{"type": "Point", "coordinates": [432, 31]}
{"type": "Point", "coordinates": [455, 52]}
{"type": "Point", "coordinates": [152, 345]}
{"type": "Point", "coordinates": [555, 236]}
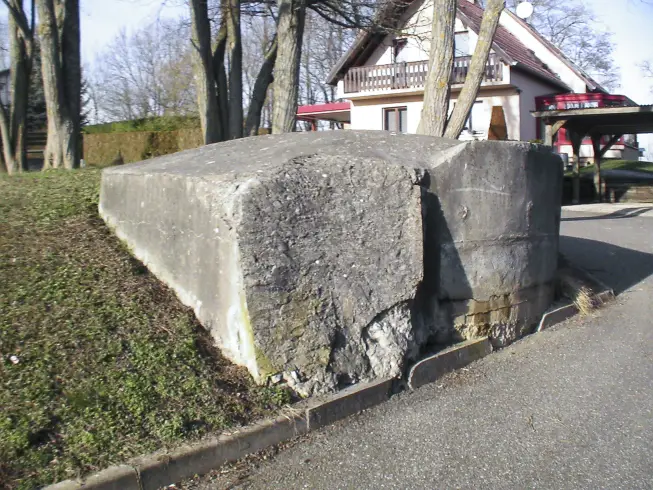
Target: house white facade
{"type": "Point", "coordinates": [382, 75]}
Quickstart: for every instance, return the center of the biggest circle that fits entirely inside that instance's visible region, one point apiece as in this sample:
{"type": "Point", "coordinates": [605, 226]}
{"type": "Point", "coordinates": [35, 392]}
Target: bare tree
{"type": "Point", "coordinates": [13, 118]}
{"type": "Point", "coordinates": [234, 42]}
{"type": "Point", "coordinates": [573, 28]}
{"type": "Point", "coordinates": [205, 74]}
{"type": "Point", "coordinates": [325, 44]}
{"type": "Point", "coordinates": [351, 14]}
{"type": "Point", "coordinates": [220, 91]}
{"type": "Point", "coordinates": [260, 90]}
{"type": "Point", "coordinates": [647, 69]}
{"type": "Point", "coordinates": [277, 58]}
{"type": "Point", "coordinates": [436, 91]}
{"type": "Point", "coordinates": [61, 66]}
{"type": "Point", "coordinates": [146, 73]}
{"type": "Point", "coordinates": [467, 96]}
{"type": "Point", "coordinates": [290, 33]}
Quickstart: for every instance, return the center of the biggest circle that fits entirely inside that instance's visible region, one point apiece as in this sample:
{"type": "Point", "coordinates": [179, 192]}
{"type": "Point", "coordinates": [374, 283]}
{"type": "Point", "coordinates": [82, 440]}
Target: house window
{"type": "Point", "coordinates": [461, 43]}
{"type": "Point", "coordinates": [477, 121]}
{"type": "Point", "coordinates": [398, 46]}
{"type": "Point", "coordinates": [395, 119]}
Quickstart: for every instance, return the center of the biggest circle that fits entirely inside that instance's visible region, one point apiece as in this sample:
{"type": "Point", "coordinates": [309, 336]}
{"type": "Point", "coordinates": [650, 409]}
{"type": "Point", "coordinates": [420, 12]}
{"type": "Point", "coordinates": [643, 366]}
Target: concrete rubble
{"type": "Point", "coordinates": [332, 258]}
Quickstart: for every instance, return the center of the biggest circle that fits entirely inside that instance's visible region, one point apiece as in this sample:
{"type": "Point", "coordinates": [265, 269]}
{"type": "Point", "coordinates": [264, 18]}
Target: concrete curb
{"type": "Point", "coordinates": [163, 468]}
{"type": "Point", "coordinates": [166, 467]}
{"type": "Point", "coordinates": [460, 355]}
{"type": "Point", "coordinates": [565, 312]}
{"type": "Point", "coordinates": [557, 315]}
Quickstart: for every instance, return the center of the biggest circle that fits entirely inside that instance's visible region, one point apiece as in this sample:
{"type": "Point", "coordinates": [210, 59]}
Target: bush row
{"type": "Point", "coordinates": [111, 148]}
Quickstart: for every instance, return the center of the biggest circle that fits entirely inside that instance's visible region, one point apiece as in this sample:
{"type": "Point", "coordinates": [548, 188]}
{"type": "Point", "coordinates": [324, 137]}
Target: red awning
{"type": "Point", "coordinates": [334, 111]}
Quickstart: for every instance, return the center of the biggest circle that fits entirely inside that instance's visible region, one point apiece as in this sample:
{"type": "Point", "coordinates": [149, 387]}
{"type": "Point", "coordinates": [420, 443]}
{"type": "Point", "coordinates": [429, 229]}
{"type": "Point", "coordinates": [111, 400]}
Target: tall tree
{"type": "Point", "coordinates": [467, 96]}
{"type": "Point", "coordinates": [62, 70]}
{"type": "Point", "coordinates": [13, 118]}
{"type": "Point", "coordinates": [205, 74]}
{"type": "Point", "coordinates": [436, 89]}
{"type": "Point", "coordinates": [234, 41]}
{"type": "Point", "coordinates": [436, 98]}
{"type": "Point", "coordinates": [279, 58]}
{"type": "Point", "coordinates": [290, 33]}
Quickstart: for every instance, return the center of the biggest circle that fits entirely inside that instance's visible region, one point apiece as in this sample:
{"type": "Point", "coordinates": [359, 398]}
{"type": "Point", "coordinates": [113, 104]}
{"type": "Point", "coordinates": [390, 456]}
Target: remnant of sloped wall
{"type": "Point", "coordinates": [334, 257]}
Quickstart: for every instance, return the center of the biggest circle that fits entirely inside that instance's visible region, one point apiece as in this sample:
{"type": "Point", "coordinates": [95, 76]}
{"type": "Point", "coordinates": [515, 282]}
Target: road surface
{"type": "Point", "coordinates": [571, 407]}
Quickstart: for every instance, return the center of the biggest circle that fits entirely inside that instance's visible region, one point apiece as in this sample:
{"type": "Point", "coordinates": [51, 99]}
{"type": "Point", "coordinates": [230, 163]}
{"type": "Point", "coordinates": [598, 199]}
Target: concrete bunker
{"type": "Point", "coordinates": [331, 258]}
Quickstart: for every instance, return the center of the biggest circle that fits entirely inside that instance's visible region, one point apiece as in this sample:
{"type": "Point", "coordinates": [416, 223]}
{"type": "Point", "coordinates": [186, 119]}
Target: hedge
{"type": "Point", "coordinates": [163, 123]}
{"type": "Point", "coordinates": [109, 148]}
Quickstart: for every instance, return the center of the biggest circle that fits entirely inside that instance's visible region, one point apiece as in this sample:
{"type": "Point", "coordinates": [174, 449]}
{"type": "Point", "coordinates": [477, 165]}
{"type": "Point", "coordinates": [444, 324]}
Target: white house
{"type": "Point", "coordinates": [382, 76]}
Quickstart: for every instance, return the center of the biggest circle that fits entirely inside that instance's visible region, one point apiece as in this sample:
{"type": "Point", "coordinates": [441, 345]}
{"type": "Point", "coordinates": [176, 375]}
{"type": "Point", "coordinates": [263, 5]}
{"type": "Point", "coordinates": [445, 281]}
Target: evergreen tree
{"type": "Point", "coordinates": [36, 111]}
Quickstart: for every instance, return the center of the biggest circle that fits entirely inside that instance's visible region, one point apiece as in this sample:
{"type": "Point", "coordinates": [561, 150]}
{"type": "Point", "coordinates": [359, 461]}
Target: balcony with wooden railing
{"type": "Point", "coordinates": [412, 75]}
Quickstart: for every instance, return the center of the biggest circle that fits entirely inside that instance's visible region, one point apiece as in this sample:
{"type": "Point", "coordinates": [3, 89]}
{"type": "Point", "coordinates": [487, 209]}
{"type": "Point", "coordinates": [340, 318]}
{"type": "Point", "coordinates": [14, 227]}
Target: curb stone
{"type": "Point", "coordinates": [163, 468]}
{"type": "Point", "coordinates": [122, 477]}
{"type": "Point", "coordinates": [158, 470]}
{"type": "Point", "coordinates": [557, 315]}
{"type": "Point", "coordinates": [561, 313]}
{"type": "Point", "coordinates": [460, 355]}
{"type": "Point", "coordinates": [347, 402]}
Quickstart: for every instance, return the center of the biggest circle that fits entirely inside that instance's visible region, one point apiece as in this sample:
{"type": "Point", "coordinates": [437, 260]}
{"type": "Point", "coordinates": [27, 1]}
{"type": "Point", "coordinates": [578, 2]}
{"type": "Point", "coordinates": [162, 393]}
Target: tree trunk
{"type": "Point", "coordinates": [290, 31]}
{"type": "Point", "coordinates": [13, 119]}
{"type": "Point", "coordinates": [476, 71]}
{"type": "Point", "coordinates": [235, 70]}
{"type": "Point", "coordinates": [61, 67]}
{"type": "Point", "coordinates": [437, 88]}
{"type": "Point", "coordinates": [263, 81]}
{"type": "Point", "coordinates": [207, 97]}
{"type": "Point", "coordinates": [221, 76]}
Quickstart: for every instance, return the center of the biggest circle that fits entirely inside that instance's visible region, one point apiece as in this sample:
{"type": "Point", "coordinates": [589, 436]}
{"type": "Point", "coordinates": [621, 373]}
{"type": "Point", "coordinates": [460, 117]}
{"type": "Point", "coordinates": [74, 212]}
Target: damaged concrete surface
{"type": "Point", "coordinates": [335, 257]}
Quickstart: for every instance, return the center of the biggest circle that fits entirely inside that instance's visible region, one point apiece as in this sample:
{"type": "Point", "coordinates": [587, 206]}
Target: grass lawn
{"type": "Point", "coordinates": [98, 360]}
{"type": "Point", "coordinates": [621, 165]}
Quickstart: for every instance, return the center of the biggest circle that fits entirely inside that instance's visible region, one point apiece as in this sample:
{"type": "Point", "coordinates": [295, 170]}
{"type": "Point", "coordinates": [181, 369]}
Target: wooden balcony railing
{"type": "Point", "coordinates": [412, 75]}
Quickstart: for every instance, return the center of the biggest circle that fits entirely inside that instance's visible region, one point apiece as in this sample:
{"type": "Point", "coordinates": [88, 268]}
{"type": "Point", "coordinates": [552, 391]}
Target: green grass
{"type": "Point", "coordinates": [621, 165]}
{"type": "Point", "coordinates": [99, 361]}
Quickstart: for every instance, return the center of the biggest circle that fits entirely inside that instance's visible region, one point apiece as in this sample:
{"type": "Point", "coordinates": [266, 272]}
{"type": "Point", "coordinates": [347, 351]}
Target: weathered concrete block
{"type": "Point", "coordinates": [491, 238]}
{"type": "Point", "coordinates": [495, 219]}
{"type": "Point", "coordinates": [300, 253]}
{"type": "Point", "coordinates": [303, 254]}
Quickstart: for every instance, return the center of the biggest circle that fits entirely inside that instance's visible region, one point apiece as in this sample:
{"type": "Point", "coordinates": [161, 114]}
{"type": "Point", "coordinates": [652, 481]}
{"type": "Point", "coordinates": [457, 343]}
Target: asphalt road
{"type": "Point", "coordinates": [571, 407]}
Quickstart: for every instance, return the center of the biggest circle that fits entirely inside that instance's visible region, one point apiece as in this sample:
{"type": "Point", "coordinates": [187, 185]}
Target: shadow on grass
{"type": "Point", "coordinates": [618, 267]}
